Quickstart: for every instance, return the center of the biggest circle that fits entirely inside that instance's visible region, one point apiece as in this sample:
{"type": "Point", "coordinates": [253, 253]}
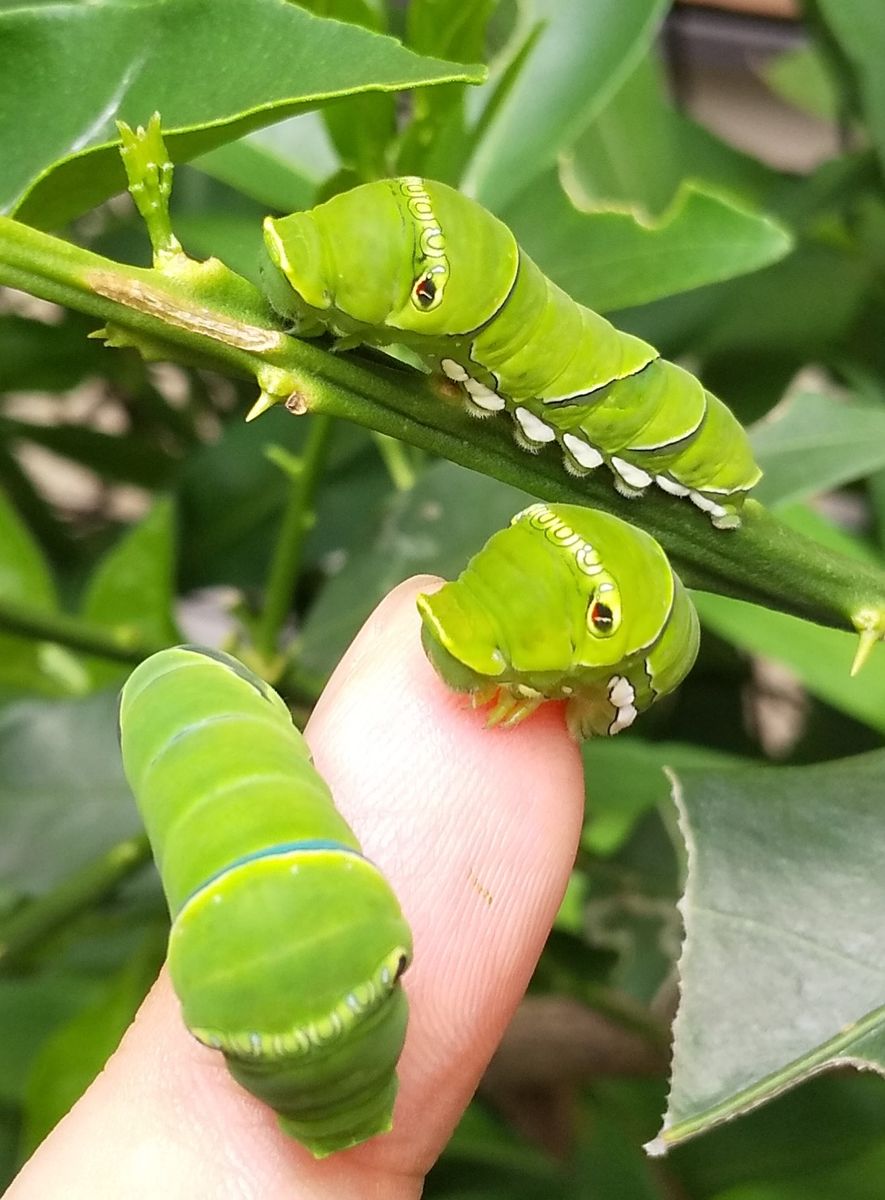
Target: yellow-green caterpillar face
{"type": "Point", "coordinates": [287, 944]}
{"type": "Point", "coordinates": [565, 604]}
{"type": "Point", "coordinates": [364, 268]}
{"type": "Point", "coordinates": [411, 261]}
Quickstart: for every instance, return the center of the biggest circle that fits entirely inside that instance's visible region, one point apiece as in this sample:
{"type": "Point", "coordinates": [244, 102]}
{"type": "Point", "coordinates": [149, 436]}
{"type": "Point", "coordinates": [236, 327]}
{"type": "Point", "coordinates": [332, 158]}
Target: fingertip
{"type": "Point", "coordinates": [476, 830]}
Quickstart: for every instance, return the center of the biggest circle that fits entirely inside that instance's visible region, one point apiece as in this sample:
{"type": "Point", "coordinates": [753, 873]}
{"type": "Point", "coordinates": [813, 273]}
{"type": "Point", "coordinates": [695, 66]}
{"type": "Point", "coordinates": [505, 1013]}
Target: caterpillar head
{"type": "Point", "coordinates": [554, 607]}
{"type": "Point", "coordinates": [407, 255]}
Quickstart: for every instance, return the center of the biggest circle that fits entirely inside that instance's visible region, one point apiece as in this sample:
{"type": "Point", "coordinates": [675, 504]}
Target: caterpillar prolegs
{"type": "Point", "coordinates": [412, 261]}
{"type": "Point", "coordinates": [287, 944]}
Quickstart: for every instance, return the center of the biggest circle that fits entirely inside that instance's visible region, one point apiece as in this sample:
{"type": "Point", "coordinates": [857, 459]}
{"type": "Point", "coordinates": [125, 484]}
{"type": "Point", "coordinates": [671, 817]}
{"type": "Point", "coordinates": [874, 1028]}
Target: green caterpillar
{"type": "Point", "coordinates": [567, 603]}
{"type": "Point", "coordinates": [287, 945]}
{"type": "Point", "coordinates": [413, 262]}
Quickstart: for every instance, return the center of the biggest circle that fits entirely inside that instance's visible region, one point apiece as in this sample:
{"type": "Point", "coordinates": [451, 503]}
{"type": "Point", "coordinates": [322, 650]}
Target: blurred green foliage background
{"type": "Point", "coordinates": [712, 181]}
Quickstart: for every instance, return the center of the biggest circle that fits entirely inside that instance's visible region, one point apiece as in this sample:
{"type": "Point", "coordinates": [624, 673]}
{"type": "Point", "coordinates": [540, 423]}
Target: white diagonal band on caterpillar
{"type": "Point", "coordinates": [445, 278]}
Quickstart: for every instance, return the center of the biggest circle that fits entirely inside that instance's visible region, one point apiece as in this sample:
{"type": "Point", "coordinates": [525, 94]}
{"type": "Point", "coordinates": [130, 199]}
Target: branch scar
{"type": "Point", "coordinates": [194, 318]}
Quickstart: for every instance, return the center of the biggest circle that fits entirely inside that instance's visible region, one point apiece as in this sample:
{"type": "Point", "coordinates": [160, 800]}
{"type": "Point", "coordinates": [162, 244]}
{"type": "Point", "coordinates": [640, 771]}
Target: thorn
{"type": "Point", "coordinates": [261, 406]}
{"type": "Point", "coordinates": [868, 639]}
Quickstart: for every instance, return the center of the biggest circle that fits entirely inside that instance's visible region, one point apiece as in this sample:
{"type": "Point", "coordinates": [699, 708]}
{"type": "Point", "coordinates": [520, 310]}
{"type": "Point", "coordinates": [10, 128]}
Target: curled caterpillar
{"type": "Point", "coordinates": [413, 262]}
{"type": "Point", "coordinates": [567, 603]}
{"type": "Point", "coordinates": [287, 944]}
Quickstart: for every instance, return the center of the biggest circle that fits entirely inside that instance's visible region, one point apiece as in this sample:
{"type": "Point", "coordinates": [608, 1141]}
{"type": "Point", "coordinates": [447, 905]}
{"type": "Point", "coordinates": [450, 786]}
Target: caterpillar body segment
{"type": "Point", "coordinates": [287, 944]}
{"type": "Point", "coordinates": [411, 261]}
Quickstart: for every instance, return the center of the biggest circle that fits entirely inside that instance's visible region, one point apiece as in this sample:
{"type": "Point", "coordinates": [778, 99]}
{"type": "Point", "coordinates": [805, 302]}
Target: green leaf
{"type": "Point", "coordinates": [782, 970]}
{"type": "Point", "coordinates": [801, 305]}
{"type": "Point", "coordinates": [30, 1010]}
{"type": "Point", "coordinates": [859, 28]}
{"type": "Point", "coordinates": [258, 172]}
{"type": "Point", "coordinates": [640, 148]}
{"type": "Point", "coordinates": [24, 572]}
{"type": "Point", "coordinates": [813, 443]}
{"type": "Point", "coordinates": [609, 259]}
{"type": "Point", "coordinates": [821, 658]}
{"type": "Point", "coordinates": [800, 77]}
{"type": "Point", "coordinates": [90, 64]}
{"type": "Point", "coordinates": [25, 578]}
{"type": "Point", "coordinates": [583, 54]}
{"type": "Point", "coordinates": [133, 588]}
{"type": "Point", "coordinates": [629, 154]}
{"type": "Point", "coordinates": [32, 506]}
{"type": "Point", "coordinates": [72, 1056]}
{"type": "Point", "coordinates": [279, 164]}
{"type": "Point", "coordinates": [610, 1156]}
{"type": "Point", "coordinates": [36, 356]}
{"type": "Point", "coordinates": [434, 527]}
{"type": "Point", "coordinates": [64, 799]}
{"type": "Point", "coordinates": [783, 1141]}
{"type": "Point", "coordinates": [625, 779]}
{"type": "Point", "coordinates": [437, 141]}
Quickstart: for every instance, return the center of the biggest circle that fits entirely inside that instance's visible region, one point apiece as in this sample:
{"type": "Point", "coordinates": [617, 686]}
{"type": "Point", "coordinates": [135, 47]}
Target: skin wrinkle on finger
{"type": "Point", "coordinates": [477, 831]}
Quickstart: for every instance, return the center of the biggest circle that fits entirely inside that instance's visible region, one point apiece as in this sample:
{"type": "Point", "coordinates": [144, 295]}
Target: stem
{"type": "Point", "coordinates": [764, 561]}
{"type": "Point", "coordinates": [203, 312]}
{"type": "Point", "coordinates": [297, 521]}
{"type": "Point", "coordinates": [395, 455]}
{"type": "Point", "coordinates": [71, 897]}
{"type": "Point", "coordinates": [149, 171]}
{"type": "Point", "coordinates": [169, 315]}
{"type": "Point", "coordinates": [76, 634]}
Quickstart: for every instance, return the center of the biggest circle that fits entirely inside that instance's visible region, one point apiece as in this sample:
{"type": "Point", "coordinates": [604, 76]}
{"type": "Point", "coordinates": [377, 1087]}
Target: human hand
{"type": "Point", "coordinates": [476, 830]}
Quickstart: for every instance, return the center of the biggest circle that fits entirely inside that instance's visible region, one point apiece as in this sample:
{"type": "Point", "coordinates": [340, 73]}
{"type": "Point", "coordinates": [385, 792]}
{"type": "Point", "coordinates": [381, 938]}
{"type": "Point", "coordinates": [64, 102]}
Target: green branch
{"type": "Point", "coordinates": [73, 895]}
{"type": "Point", "coordinates": [304, 475]}
{"type": "Point", "coordinates": [203, 313]}
{"type": "Point", "coordinates": [118, 645]}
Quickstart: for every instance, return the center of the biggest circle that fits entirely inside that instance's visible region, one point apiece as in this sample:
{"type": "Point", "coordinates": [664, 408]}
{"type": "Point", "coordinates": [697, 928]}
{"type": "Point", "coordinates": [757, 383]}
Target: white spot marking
{"type": "Point", "coordinates": [635, 476]}
{"type": "Point", "coordinates": [621, 693]}
{"type": "Point", "coordinates": [484, 397]}
{"type": "Point", "coordinates": [582, 452]}
{"type": "Point", "coordinates": [625, 718]}
{"type": "Point", "coordinates": [533, 427]}
{"type": "Point", "coordinates": [707, 506]}
{"type": "Point", "coordinates": [671, 486]}
{"type": "Point", "coordinates": [453, 369]}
